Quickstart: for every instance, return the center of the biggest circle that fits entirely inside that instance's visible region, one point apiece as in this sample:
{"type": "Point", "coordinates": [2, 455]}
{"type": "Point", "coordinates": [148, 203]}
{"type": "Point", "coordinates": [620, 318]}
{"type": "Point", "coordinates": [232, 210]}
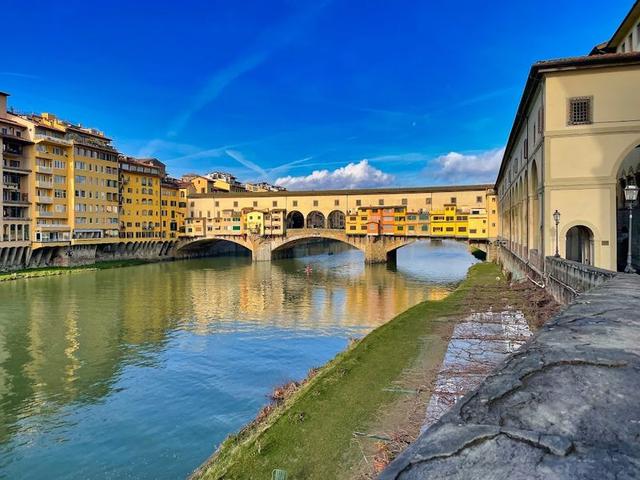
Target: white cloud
{"type": "Point", "coordinates": [353, 175]}
{"type": "Point", "coordinates": [473, 167]}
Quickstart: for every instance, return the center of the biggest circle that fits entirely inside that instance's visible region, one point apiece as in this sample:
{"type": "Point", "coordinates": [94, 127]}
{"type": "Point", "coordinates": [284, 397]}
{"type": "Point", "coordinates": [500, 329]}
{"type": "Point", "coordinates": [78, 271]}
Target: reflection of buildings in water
{"type": "Point", "coordinates": [280, 294]}
{"type": "Point", "coordinates": [64, 341]}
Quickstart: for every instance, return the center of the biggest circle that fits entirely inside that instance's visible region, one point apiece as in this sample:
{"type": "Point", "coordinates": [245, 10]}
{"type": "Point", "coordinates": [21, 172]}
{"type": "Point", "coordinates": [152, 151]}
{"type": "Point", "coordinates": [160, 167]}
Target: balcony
{"type": "Point", "coordinates": [44, 184]}
{"type": "Point", "coordinates": [15, 166]}
{"type": "Point", "coordinates": [51, 138]}
{"type": "Point", "coordinates": [52, 227]}
{"type": "Point", "coordinates": [10, 197]}
{"type": "Point", "coordinates": [44, 213]}
{"type": "Point", "coordinates": [44, 169]}
{"type": "Point", "coordinates": [44, 199]}
{"type": "Point", "coordinates": [18, 138]}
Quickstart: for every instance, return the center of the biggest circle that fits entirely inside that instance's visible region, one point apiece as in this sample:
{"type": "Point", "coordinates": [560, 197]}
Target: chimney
{"type": "Point", "coordinates": [3, 104]}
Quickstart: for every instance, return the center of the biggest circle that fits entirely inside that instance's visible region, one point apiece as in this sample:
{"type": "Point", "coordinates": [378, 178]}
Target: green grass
{"type": "Point", "coordinates": [49, 271]}
{"type": "Point", "coordinates": [310, 436]}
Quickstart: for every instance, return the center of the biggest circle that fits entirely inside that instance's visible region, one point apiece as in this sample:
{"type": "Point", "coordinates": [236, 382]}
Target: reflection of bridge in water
{"type": "Point", "coordinates": [376, 249]}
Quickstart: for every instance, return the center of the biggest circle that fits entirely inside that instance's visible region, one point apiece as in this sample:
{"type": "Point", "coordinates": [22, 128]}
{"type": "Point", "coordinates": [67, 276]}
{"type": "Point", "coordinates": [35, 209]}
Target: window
{"type": "Point", "coordinates": [381, 201]}
{"type": "Point", "coordinates": [580, 111]}
{"type": "Point", "coordinates": [315, 203]}
{"type": "Point", "coordinates": [630, 38]}
{"type": "Point", "coordinates": [295, 203]}
{"type": "Point", "coordinates": [274, 203]}
{"type": "Point", "coordinates": [235, 204]}
{"type": "Point", "coordinates": [454, 200]}
{"type": "Point", "coordinates": [478, 199]}
{"type": "Point", "coordinates": [405, 201]}
{"type": "Point", "coordinates": [255, 204]}
{"type": "Point", "coordinates": [336, 203]}
{"type": "Point", "coordinates": [217, 203]}
{"type": "Point", "coordinates": [358, 203]}
{"type": "Point", "coordinates": [427, 201]}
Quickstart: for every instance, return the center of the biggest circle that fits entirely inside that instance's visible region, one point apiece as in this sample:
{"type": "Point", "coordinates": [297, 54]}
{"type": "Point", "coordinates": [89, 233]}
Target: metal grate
{"type": "Point", "coordinates": [580, 111]}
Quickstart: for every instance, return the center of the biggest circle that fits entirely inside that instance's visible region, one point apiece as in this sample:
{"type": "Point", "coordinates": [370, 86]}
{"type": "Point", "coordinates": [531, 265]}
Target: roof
{"type": "Point", "coordinates": [361, 191]}
{"type": "Point", "coordinates": [628, 21]}
{"type": "Point", "coordinates": [539, 69]}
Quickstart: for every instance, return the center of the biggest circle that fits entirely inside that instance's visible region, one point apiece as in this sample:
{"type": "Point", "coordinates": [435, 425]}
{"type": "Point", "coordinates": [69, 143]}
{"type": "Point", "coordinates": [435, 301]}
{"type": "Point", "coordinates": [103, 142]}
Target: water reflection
{"type": "Point", "coordinates": [110, 373]}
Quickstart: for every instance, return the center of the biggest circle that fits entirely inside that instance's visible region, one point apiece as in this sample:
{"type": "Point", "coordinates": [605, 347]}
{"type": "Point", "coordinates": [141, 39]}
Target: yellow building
{"type": "Point", "coordinates": [173, 203]}
{"type": "Point", "coordinates": [274, 222]}
{"type": "Point", "coordinates": [461, 224]}
{"type": "Point", "coordinates": [52, 160]}
{"type": "Point", "coordinates": [573, 147]}
{"type": "Point", "coordinates": [93, 179]}
{"type": "Point", "coordinates": [254, 221]}
{"type": "Point", "coordinates": [443, 221]}
{"type": "Point", "coordinates": [478, 223]}
{"type": "Point", "coordinates": [356, 222]}
{"type": "Point", "coordinates": [140, 198]}
{"type": "Point", "coordinates": [417, 224]}
{"type": "Point", "coordinates": [16, 173]}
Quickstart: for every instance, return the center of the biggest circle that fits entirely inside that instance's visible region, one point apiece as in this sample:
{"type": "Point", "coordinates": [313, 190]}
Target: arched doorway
{"type": "Point", "coordinates": [579, 244]}
{"type": "Point", "coordinates": [315, 219]}
{"type": "Point", "coordinates": [336, 220]}
{"type": "Point", "coordinates": [295, 219]}
{"type": "Point", "coordinates": [535, 225]}
{"type": "Point", "coordinates": [628, 173]}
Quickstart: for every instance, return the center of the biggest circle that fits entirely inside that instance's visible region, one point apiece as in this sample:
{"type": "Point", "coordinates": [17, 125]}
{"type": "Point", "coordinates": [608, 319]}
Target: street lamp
{"type": "Point", "coordinates": [630, 196]}
{"type": "Point", "coordinates": [556, 218]}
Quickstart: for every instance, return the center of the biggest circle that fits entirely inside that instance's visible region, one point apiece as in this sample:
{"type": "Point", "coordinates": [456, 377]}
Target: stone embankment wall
{"type": "Point", "coordinates": [69, 256]}
{"type": "Point", "coordinates": [565, 406]}
{"type": "Point", "coordinates": [563, 279]}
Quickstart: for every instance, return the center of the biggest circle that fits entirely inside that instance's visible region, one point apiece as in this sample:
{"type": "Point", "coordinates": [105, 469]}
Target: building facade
{"type": "Point", "coordinates": [16, 172]}
{"type": "Point", "coordinates": [140, 199]}
{"type": "Point", "coordinates": [572, 149]}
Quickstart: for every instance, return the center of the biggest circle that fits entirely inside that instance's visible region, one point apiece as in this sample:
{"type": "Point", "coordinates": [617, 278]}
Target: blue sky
{"type": "Point", "coordinates": [363, 93]}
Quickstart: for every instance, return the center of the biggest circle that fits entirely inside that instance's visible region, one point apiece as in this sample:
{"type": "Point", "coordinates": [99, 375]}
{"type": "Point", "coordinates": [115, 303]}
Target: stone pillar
{"type": "Point", "coordinates": [374, 250]}
{"type": "Point", "coordinates": [261, 252]}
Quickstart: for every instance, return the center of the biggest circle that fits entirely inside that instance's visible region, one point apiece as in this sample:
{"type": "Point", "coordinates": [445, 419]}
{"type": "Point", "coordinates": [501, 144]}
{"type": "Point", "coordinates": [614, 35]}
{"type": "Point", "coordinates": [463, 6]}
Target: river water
{"type": "Point", "coordinates": [140, 372]}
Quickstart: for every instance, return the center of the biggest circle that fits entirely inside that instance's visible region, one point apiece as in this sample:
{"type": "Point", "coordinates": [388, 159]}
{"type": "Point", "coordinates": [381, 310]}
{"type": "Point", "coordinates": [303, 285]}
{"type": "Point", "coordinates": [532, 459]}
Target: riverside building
{"type": "Point", "coordinates": [573, 147]}
{"type": "Point", "coordinates": [140, 197]}
{"type": "Point", "coordinates": [16, 172]}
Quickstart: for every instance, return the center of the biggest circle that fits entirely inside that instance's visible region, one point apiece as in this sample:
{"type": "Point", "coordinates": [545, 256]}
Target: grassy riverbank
{"type": "Point", "coordinates": [311, 435]}
{"type": "Point", "coordinates": [50, 271]}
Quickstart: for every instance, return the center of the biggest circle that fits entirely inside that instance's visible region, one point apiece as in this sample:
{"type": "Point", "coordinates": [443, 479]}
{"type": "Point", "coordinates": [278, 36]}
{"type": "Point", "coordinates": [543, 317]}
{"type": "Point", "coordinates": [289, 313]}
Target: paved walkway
{"type": "Point", "coordinates": [478, 344]}
{"type": "Point", "coordinates": [565, 406]}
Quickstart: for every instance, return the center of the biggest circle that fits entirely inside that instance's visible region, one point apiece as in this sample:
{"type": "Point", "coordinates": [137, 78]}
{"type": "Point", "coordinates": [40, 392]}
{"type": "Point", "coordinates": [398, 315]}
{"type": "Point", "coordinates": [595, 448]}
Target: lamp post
{"type": "Point", "coordinates": [630, 196]}
{"type": "Point", "coordinates": [556, 218]}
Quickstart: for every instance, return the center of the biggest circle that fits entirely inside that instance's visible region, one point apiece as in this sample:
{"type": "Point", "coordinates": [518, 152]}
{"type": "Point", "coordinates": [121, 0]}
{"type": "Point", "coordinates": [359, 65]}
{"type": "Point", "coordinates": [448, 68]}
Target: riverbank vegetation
{"type": "Point", "coordinates": [49, 271]}
{"type": "Point", "coordinates": [313, 432]}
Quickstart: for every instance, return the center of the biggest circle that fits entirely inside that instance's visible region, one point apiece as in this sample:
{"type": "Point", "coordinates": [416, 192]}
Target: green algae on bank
{"type": "Point", "coordinates": [51, 271]}
{"type": "Point", "coordinates": [310, 435]}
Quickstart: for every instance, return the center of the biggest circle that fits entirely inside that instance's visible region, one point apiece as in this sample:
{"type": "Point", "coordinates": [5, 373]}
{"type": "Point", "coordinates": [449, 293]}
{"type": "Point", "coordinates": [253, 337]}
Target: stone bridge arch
{"type": "Point", "coordinates": [376, 249]}
{"type": "Point", "coordinates": [188, 247]}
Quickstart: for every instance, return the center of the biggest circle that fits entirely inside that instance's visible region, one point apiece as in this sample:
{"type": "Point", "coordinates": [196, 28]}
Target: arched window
{"type": "Point", "coordinates": [315, 219]}
{"type": "Point", "coordinates": [336, 220]}
{"type": "Point", "coordinates": [295, 219]}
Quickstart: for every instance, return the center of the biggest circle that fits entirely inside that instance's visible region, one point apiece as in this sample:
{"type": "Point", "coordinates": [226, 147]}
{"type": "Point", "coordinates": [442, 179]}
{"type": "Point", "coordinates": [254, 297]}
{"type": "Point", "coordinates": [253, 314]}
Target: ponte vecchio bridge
{"type": "Point", "coordinates": [269, 223]}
